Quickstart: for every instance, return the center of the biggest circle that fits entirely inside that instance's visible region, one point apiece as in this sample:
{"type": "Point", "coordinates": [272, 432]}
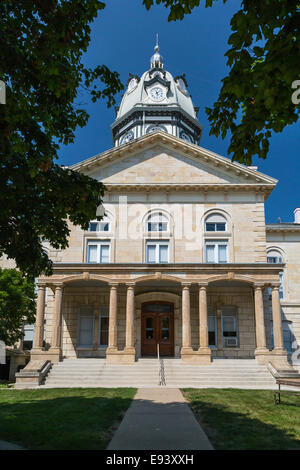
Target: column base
{"type": "Point", "coordinates": [114, 356]}
{"type": "Point", "coordinates": [202, 356]}
{"type": "Point", "coordinates": [53, 355]}
{"type": "Point", "coordinates": [262, 356]}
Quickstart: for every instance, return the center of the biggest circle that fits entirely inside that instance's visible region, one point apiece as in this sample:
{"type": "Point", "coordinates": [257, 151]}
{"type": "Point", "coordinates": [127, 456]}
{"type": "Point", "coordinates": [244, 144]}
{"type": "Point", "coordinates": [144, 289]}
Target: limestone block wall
{"type": "Point", "coordinates": [186, 212]}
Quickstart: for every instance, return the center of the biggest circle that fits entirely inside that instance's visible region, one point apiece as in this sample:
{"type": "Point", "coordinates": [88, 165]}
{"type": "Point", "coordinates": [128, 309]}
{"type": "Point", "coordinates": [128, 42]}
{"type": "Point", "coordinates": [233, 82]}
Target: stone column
{"type": "Point", "coordinates": [96, 330]}
{"type": "Point", "coordinates": [113, 328]}
{"type": "Point", "coordinates": [57, 320]}
{"type": "Point", "coordinates": [259, 320]}
{"type": "Point", "coordinates": [219, 328]}
{"type": "Point", "coordinates": [186, 319]}
{"type": "Point", "coordinates": [203, 325]}
{"type": "Point", "coordinates": [277, 322]}
{"type": "Point", "coordinates": [39, 321]}
{"type": "Point", "coordinates": [130, 318]}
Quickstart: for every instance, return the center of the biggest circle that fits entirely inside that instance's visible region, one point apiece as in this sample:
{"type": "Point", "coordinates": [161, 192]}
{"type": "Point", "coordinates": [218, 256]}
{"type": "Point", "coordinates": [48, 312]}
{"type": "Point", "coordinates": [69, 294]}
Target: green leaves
{"type": "Point", "coordinates": [42, 44]}
{"type": "Point", "coordinates": [256, 96]}
{"type": "Point", "coordinates": [17, 304]}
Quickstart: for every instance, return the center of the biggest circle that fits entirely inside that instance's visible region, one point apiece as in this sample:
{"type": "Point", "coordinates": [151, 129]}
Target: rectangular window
{"type": "Point", "coordinates": [216, 251]}
{"type": "Point", "coordinates": [103, 324]}
{"type": "Point", "coordinates": [28, 336]}
{"type": "Point", "coordinates": [98, 252]}
{"type": "Point", "coordinates": [102, 226]}
{"type": "Point", "coordinates": [229, 327]}
{"type": "Point", "coordinates": [157, 252]}
{"type": "Point", "coordinates": [85, 330]}
{"type": "Point", "coordinates": [212, 330]}
{"type": "Point", "coordinates": [215, 226]}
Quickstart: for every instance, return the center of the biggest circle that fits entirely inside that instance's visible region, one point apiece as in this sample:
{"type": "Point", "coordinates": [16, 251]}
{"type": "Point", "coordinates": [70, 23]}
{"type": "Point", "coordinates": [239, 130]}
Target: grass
{"type": "Point", "coordinates": [62, 418]}
{"type": "Point", "coordinates": [247, 419]}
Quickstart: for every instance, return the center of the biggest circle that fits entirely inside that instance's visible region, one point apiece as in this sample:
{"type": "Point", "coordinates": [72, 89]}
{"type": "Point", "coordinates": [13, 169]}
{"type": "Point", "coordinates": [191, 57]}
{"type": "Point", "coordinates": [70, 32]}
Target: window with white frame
{"type": "Point", "coordinates": [215, 223]}
{"type": "Point", "coordinates": [212, 326]}
{"type": "Point", "coordinates": [275, 257]}
{"type": "Point", "coordinates": [98, 251]}
{"type": "Point", "coordinates": [85, 327]}
{"type": "Point", "coordinates": [229, 327]}
{"type": "Point", "coordinates": [216, 251]}
{"type": "Point", "coordinates": [28, 336]}
{"type": "Point", "coordinates": [157, 252]}
{"type": "Point", "coordinates": [100, 225]}
{"type": "Point", "coordinates": [157, 222]}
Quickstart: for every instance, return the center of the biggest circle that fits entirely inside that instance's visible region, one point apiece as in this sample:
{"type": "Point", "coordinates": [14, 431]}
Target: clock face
{"type": "Point", "coordinates": [127, 137]}
{"type": "Point", "coordinates": [185, 136]}
{"type": "Point", "coordinates": [157, 93]}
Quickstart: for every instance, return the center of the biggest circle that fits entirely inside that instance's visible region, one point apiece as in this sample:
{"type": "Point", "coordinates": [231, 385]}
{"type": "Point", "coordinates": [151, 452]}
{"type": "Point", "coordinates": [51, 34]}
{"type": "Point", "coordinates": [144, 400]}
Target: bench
{"type": "Point", "coordinates": [291, 382]}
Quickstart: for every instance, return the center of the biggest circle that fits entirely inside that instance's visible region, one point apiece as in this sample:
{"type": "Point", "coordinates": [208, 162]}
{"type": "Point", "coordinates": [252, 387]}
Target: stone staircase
{"type": "Point", "coordinates": [222, 373]}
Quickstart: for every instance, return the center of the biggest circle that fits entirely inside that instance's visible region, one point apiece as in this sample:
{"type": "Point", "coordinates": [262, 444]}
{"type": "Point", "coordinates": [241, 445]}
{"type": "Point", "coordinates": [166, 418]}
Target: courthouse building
{"type": "Point", "coordinates": [183, 260]}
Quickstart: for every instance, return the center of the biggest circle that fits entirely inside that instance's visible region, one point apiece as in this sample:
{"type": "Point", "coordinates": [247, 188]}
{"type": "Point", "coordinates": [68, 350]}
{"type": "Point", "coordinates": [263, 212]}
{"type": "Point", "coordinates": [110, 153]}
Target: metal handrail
{"type": "Point", "coordinates": [161, 370]}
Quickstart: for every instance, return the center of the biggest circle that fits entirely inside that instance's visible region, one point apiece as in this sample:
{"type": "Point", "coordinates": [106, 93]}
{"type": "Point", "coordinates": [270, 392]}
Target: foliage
{"type": "Point", "coordinates": [42, 43]}
{"type": "Point", "coordinates": [264, 55]}
{"type": "Point", "coordinates": [17, 304]}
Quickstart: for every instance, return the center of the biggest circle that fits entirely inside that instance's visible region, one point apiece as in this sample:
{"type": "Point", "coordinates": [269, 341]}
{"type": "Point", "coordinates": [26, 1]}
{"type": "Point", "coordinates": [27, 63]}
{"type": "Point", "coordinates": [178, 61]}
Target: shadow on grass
{"type": "Point", "coordinates": [62, 419]}
{"type": "Point", "coordinates": [247, 420]}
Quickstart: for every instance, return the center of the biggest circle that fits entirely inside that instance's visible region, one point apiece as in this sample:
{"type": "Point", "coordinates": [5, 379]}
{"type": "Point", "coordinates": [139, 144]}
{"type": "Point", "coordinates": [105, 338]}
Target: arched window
{"type": "Point", "coordinates": [215, 223]}
{"type": "Point", "coordinates": [274, 257]}
{"type": "Point", "coordinates": [100, 225]}
{"type": "Point", "coordinates": [157, 222]}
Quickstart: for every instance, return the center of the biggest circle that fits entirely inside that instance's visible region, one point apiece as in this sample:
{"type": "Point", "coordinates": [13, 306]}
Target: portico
{"type": "Point", "coordinates": [186, 309]}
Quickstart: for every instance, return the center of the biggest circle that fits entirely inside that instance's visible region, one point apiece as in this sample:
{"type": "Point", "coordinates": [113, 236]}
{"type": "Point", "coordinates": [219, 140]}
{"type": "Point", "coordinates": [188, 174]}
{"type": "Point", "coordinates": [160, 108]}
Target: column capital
{"type": "Point", "coordinates": [275, 286]}
{"type": "Point", "coordinates": [203, 285]}
{"type": "Point", "coordinates": [259, 286]}
{"type": "Point", "coordinates": [58, 286]}
{"type": "Point", "coordinates": [41, 286]}
{"type": "Point", "coordinates": [113, 285]}
{"type": "Point", "coordinates": [186, 285]}
{"type": "Point", "coordinates": [130, 285]}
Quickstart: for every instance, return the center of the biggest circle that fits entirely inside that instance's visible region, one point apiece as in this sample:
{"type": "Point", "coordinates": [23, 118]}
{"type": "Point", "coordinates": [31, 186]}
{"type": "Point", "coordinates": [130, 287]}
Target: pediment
{"type": "Point", "coordinates": [166, 160]}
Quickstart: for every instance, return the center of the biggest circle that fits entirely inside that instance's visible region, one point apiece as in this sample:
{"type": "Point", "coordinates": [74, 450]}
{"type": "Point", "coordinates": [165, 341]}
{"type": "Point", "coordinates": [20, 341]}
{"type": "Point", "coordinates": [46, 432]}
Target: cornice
{"type": "Point", "coordinates": [283, 228]}
{"type": "Point", "coordinates": [190, 150]}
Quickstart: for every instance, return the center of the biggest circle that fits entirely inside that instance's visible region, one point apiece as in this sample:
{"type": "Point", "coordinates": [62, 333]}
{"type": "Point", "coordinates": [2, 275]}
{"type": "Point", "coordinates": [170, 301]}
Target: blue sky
{"type": "Point", "coordinates": [123, 37]}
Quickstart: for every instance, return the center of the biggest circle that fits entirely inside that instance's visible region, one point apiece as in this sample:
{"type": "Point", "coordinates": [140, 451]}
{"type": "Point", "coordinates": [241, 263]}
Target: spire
{"type": "Point", "coordinates": [156, 59]}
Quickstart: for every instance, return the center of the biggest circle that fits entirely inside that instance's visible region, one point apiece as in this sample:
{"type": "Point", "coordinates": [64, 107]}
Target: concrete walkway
{"type": "Point", "coordinates": [4, 445]}
{"type": "Point", "coordinates": [159, 419]}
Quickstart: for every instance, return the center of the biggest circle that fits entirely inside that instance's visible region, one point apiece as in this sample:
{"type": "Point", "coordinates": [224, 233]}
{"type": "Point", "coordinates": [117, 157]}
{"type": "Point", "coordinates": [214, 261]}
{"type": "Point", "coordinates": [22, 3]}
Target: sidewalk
{"type": "Point", "coordinates": [159, 419]}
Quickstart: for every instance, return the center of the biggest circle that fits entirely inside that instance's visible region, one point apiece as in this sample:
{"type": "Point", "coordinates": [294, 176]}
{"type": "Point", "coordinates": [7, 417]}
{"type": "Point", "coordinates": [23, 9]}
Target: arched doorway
{"type": "Point", "coordinates": [157, 327]}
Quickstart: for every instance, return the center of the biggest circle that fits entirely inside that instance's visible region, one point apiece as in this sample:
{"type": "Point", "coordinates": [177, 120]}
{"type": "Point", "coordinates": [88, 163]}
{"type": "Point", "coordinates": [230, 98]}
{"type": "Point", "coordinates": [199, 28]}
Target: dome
{"type": "Point", "coordinates": [136, 95]}
{"type": "Point", "coordinates": [156, 101]}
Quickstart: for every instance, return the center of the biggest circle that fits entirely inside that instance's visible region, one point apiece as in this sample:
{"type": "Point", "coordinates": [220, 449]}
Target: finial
{"type": "Point", "coordinates": [156, 59]}
{"type": "Point", "coordinates": [156, 48]}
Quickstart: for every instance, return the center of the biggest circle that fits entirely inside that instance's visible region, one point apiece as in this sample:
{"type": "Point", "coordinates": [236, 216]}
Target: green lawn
{"type": "Point", "coordinates": [247, 419]}
{"type": "Point", "coordinates": [62, 418]}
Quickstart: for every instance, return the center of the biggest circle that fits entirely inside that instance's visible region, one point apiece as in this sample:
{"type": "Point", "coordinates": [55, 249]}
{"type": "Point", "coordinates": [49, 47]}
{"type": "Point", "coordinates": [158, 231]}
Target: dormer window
{"type": "Point", "coordinates": [215, 223]}
{"type": "Point", "coordinates": [157, 222]}
{"type": "Point", "coordinates": [100, 225]}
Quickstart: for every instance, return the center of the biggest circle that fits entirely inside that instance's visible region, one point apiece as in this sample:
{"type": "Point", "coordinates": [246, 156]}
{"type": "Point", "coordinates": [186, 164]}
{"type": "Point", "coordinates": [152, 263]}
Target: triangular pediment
{"type": "Point", "coordinates": [161, 159]}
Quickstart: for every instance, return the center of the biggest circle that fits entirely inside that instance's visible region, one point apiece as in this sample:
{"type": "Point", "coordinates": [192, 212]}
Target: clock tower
{"type": "Point", "coordinates": [156, 101]}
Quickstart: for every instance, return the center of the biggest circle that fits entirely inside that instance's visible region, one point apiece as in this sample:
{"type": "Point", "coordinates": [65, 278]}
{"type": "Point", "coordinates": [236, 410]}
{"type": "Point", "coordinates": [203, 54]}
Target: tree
{"type": "Point", "coordinates": [42, 43]}
{"type": "Point", "coordinates": [17, 304]}
{"type": "Point", "coordinates": [256, 96]}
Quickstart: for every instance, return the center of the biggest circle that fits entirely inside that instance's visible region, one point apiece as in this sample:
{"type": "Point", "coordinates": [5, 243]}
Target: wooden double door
{"type": "Point", "coordinates": [157, 328]}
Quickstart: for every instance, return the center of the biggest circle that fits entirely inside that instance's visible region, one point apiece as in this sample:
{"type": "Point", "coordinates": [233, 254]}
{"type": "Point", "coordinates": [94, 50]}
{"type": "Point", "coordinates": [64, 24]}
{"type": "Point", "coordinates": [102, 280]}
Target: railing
{"type": "Point", "coordinates": [161, 370]}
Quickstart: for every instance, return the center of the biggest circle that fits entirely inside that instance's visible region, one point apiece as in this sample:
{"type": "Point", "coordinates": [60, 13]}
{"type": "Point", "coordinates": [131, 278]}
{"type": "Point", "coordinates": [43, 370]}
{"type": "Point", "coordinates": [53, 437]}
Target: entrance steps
{"type": "Point", "coordinates": [222, 373]}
